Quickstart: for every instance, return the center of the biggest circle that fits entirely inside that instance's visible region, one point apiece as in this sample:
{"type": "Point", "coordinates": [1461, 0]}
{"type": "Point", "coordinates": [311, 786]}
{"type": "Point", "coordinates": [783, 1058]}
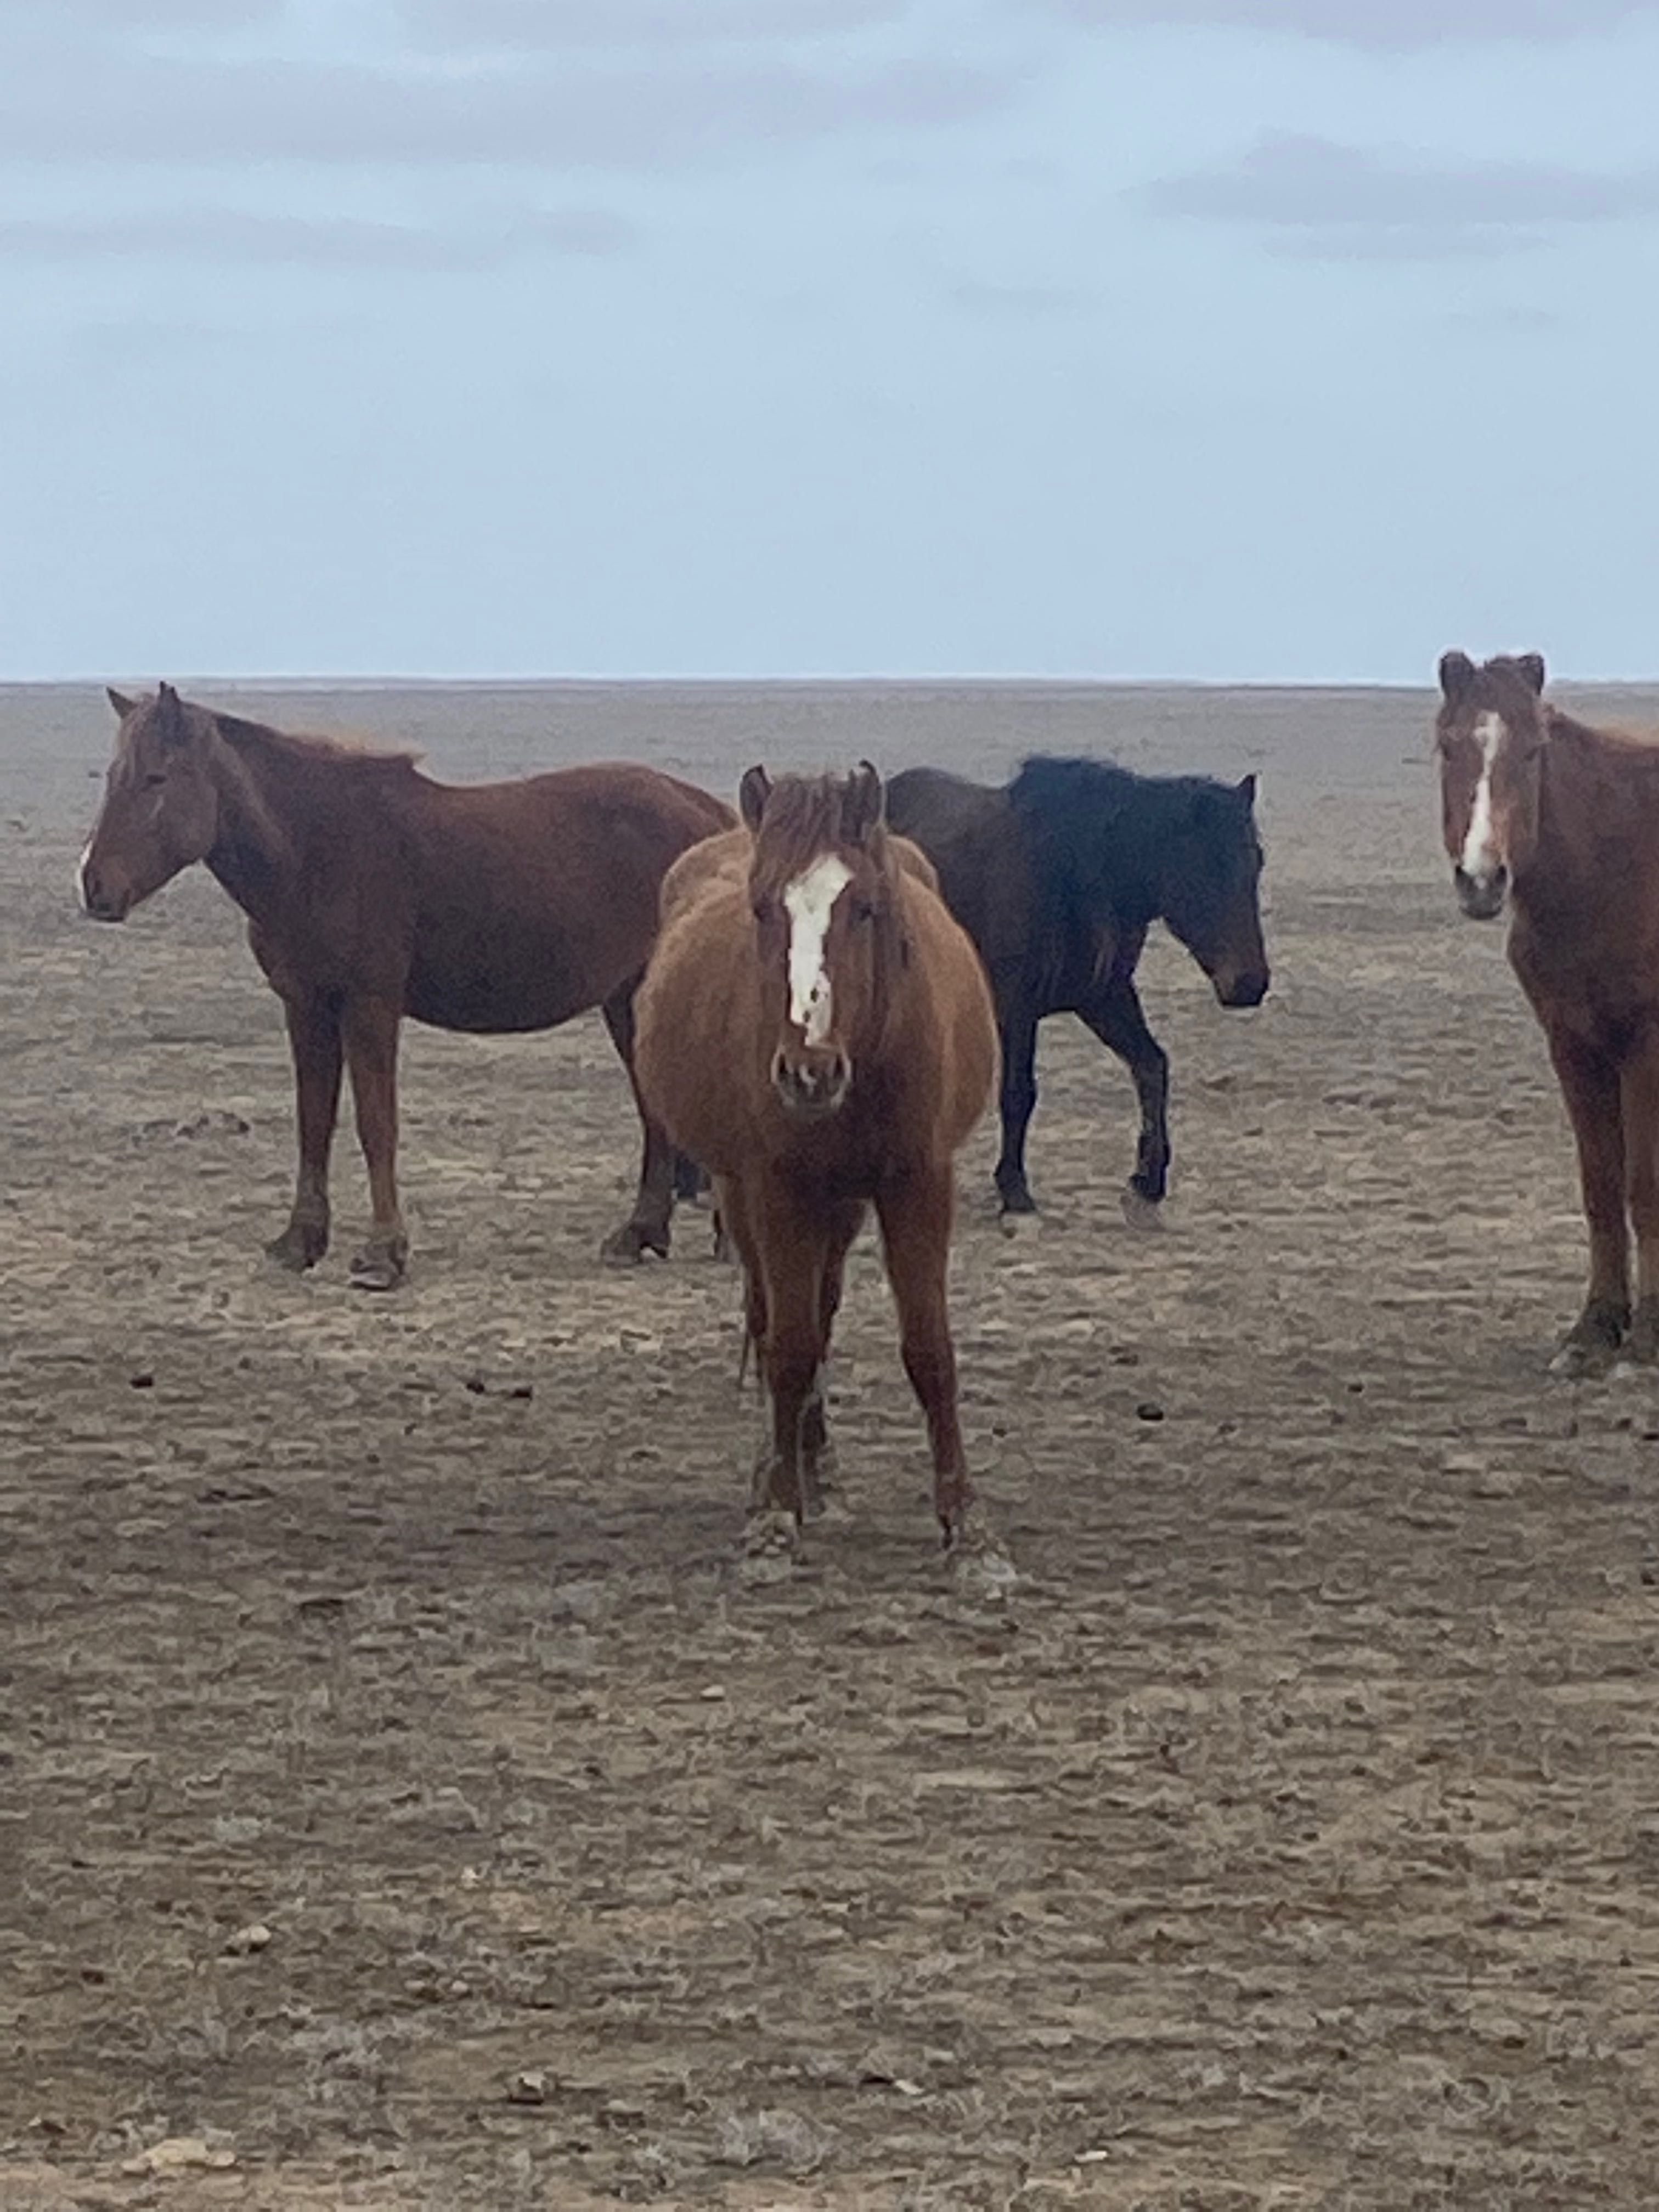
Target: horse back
{"type": "Point", "coordinates": [980, 851]}
{"type": "Point", "coordinates": [533, 901]}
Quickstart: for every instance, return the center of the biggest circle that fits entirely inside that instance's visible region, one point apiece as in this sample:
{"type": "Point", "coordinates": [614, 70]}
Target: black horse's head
{"type": "Point", "coordinates": [1211, 880]}
{"type": "Point", "coordinates": [1117, 850]}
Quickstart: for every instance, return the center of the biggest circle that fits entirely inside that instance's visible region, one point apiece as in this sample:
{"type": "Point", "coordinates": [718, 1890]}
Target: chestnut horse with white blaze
{"type": "Point", "coordinates": [817, 1029]}
{"type": "Point", "coordinates": [1559, 822]}
{"type": "Point", "coordinates": [373, 892]}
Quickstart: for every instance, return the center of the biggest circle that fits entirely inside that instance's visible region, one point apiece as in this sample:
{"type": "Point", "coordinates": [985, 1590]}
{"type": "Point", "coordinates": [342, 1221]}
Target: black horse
{"type": "Point", "coordinates": [1057, 877]}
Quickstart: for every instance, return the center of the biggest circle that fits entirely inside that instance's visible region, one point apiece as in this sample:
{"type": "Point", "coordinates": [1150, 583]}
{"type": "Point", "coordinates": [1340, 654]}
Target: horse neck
{"type": "Point", "coordinates": [262, 829]}
{"type": "Point", "coordinates": [1573, 801]}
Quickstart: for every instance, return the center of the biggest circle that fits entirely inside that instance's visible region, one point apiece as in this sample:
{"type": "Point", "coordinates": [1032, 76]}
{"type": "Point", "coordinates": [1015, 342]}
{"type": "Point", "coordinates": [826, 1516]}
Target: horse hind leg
{"type": "Point", "coordinates": [1639, 1108]}
{"type": "Point", "coordinates": [646, 1229]}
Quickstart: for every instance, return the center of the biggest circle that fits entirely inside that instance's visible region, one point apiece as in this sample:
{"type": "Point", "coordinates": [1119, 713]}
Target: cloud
{"type": "Point", "coordinates": [153, 109]}
{"type": "Point", "coordinates": [258, 240]}
{"type": "Point", "coordinates": [547, 23]}
{"type": "Point", "coordinates": [1398, 26]}
{"type": "Point", "coordinates": [1313, 198]}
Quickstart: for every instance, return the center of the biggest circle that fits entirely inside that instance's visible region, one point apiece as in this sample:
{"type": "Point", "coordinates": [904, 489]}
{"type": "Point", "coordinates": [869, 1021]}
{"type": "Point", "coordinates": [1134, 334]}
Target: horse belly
{"type": "Point", "coordinates": [497, 994]}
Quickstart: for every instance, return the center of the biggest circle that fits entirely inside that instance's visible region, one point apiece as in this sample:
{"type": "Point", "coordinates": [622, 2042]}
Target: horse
{"type": "Point", "coordinates": [815, 1029]}
{"type": "Point", "coordinates": [1057, 878]}
{"type": "Point", "coordinates": [1559, 822]}
{"type": "Point", "coordinates": [373, 892]}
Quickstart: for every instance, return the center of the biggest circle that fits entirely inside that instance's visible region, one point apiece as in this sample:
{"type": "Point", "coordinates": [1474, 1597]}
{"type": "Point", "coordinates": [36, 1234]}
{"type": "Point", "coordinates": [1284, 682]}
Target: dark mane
{"type": "Point", "coordinates": [300, 751]}
{"type": "Point", "coordinates": [1638, 747]}
{"type": "Point", "coordinates": [1097, 832]}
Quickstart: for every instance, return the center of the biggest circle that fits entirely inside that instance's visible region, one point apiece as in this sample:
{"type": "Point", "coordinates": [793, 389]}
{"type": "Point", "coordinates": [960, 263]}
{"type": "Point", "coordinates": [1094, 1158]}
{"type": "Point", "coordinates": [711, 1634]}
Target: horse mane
{"type": "Point", "coordinates": [1636, 747]}
{"type": "Point", "coordinates": [300, 751]}
{"type": "Point", "coordinates": [804, 817]}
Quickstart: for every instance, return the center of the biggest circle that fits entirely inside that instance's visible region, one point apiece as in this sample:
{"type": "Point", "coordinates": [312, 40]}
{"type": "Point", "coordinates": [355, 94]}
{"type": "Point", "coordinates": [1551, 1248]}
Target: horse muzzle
{"type": "Point", "coordinates": [1482, 896]}
{"type": "Point", "coordinates": [810, 1085]}
{"type": "Point", "coordinates": [103, 899]}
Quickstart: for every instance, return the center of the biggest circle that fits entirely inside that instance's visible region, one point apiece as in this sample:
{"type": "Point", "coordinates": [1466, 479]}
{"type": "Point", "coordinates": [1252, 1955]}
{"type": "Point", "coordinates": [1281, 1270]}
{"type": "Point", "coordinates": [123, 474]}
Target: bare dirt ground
{"type": "Point", "coordinates": [403, 1795]}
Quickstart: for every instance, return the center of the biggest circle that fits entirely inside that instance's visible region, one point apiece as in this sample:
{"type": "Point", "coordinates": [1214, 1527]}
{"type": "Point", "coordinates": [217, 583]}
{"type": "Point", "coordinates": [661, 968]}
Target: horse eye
{"type": "Point", "coordinates": [762, 909]}
{"type": "Point", "coordinates": [156, 777]}
{"type": "Point", "coordinates": [863, 911]}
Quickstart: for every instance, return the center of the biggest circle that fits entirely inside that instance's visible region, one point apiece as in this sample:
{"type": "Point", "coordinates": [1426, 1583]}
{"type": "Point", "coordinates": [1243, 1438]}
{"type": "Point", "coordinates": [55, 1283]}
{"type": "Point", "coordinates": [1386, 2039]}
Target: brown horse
{"type": "Point", "coordinates": [817, 1029]}
{"type": "Point", "coordinates": [372, 892]}
{"type": "Point", "coordinates": [1560, 821]}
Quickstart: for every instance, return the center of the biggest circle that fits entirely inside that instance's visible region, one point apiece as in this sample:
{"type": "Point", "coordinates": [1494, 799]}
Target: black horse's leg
{"type": "Point", "coordinates": [646, 1229]}
{"type": "Point", "coordinates": [1113, 1011]}
{"type": "Point", "coordinates": [1018, 1025]}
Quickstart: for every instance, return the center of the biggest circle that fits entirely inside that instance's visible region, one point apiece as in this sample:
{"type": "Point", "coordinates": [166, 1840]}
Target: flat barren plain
{"type": "Point", "coordinates": [405, 1801]}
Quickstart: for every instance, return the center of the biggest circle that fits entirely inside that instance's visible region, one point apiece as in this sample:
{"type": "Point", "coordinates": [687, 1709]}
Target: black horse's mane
{"type": "Point", "coordinates": [1100, 832]}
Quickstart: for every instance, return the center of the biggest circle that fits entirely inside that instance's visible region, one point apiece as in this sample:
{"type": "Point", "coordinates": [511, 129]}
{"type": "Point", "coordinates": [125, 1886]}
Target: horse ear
{"type": "Point", "coordinates": [1456, 676]}
{"type": "Point", "coordinates": [1531, 665]}
{"type": "Point", "coordinates": [752, 794]}
{"type": "Point", "coordinates": [1246, 789]}
{"type": "Point", "coordinates": [120, 701]}
{"type": "Point", "coordinates": [170, 723]}
{"type": "Point", "coordinates": [863, 803]}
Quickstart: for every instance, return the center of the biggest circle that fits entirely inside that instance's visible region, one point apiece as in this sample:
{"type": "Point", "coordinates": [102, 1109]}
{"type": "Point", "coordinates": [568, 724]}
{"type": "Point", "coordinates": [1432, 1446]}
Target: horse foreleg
{"type": "Point", "coordinates": [790, 1251]}
{"type": "Point", "coordinates": [646, 1229]}
{"type": "Point", "coordinates": [1113, 1012]}
{"type": "Point", "coordinates": [915, 1229]}
{"type": "Point", "coordinates": [1590, 1085]}
{"type": "Point", "coordinates": [314, 1036]}
{"type": "Point", "coordinates": [1018, 1023]}
{"type": "Point", "coordinates": [369, 1030]}
{"type": "Point", "coordinates": [815, 1450]}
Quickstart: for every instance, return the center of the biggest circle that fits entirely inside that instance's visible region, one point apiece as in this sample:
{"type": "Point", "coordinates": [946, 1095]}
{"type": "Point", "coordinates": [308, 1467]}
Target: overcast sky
{"type": "Point", "coordinates": [1213, 338]}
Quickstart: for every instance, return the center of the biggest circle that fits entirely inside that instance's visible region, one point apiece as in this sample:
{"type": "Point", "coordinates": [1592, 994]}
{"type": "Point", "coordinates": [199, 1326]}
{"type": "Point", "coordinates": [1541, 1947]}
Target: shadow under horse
{"type": "Point", "coordinates": [1058, 876]}
{"type": "Point", "coordinates": [373, 892]}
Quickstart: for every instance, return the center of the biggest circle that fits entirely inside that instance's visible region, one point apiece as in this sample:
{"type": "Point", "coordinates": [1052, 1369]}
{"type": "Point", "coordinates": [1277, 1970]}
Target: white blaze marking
{"type": "Point", "coordinates": [1479, 859]}
{"type": "Point", "coordinates": [80, 871]}
{"type": "Point", "coordinates": [809, 902]}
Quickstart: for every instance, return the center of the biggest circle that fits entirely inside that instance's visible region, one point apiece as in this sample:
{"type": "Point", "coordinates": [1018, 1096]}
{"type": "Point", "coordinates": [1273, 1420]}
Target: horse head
{"type": "Point", "coordinates": [1490, 726]}
{"type": "Point", "coordinates": [1212, 896]}
{"type": "Point", "coordinates": [823, 900]}
{"type": "Point", "coordinates": [160, 809]}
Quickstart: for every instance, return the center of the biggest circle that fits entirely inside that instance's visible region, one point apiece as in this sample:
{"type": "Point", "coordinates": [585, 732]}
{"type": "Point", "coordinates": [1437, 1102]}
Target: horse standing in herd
{"type": "Point", "coordinates": [1057, 878]}
{"type": "Point", "coordinates": [1559, 822]}
{"type": "Point", "coordinates": [817, 1029]}
{"type": "Point", "coordinates": [373, 892]}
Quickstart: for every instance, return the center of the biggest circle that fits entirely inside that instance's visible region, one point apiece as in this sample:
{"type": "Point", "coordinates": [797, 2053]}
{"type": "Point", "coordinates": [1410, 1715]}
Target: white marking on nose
{"type": "Point", "coordinates": [1480, 859]}
{"type": "Point", "coordinates": [809, 903]}
{"type": "Point", "coordinates": [81, 872]}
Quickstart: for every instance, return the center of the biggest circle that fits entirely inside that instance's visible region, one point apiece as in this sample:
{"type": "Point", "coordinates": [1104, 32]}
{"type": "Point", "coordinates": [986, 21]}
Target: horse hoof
{"type": "Point", "coordinates": [1016, 1200]}
{"type": "Point", "coordinates": [377, 1271]}
{"type": "Point", "coordinates": [626, 1247]}
{"type": "Point", "coordinates": [1141, 1211]}
{"type": "Point", "coordinates": [771, 1546]}
{"type": "Point", "coordinates": [298, 1248]}
{"type": "Point", "coordinates": [1582, 1361]}
{"type": "Point", "coordinates": [980, 1567]}
{"type": "Point", "coordinates": [1020, 1224]}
